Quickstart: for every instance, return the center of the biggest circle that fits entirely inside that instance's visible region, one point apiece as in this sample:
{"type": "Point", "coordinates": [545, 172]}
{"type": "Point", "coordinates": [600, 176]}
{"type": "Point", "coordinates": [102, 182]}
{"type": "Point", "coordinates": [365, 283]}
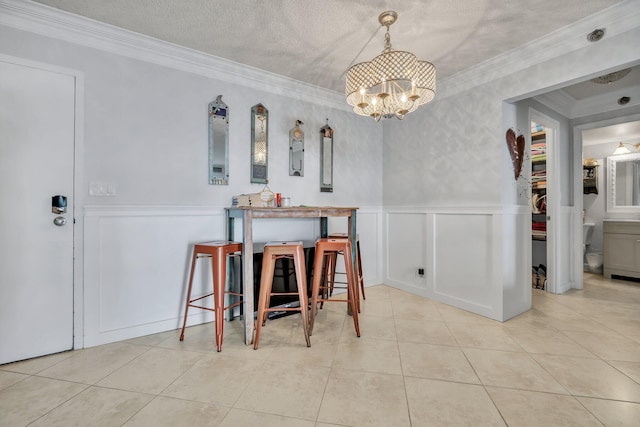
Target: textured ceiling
{"type": "Point", "coordinates": [316, 41]}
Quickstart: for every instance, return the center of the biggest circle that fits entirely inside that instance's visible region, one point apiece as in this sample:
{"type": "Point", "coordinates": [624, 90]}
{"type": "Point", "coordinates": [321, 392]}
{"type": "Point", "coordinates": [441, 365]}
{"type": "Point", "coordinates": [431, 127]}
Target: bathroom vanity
{"type": "Point", "coordinates": [622, 248]}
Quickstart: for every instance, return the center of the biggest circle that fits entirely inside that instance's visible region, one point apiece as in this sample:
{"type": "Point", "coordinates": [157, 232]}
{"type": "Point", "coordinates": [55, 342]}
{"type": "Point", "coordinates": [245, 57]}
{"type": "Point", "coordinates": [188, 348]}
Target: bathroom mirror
{"type": "Point", "coordinates": [218, 142]}
{"type": "Point", "coordinates": [296, 150]}
{"type": "Point", "coordinates": [326, 159]}
{"type": "Point", "coordinates": [623, 183]}
{"type": "Point", "coordinates": [259, 144]}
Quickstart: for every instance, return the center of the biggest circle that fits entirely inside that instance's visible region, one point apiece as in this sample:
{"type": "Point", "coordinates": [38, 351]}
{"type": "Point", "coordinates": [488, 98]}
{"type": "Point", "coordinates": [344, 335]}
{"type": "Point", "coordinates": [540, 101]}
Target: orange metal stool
{"type": "Point", "coordinates": [272, 252]}
{"type": "Point", "coordinates": [218, 252]}
{"type": "Point", "coordinates": [328, 247]}
{"type": "Point", "coordinates": [330, 267]}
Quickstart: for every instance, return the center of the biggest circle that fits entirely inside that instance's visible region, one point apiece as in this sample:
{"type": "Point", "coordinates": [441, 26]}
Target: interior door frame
{"type": "Point", "coordinates": [78, 186]}
{"type": "Point", "coordinates": [578, 193]}
{"type": "Point", "coordinates": [552, 128]}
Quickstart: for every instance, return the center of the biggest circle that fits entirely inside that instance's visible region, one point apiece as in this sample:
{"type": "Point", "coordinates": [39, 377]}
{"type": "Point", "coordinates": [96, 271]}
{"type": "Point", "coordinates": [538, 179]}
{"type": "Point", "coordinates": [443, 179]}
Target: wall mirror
{"type": "Point", "coordinates": [218, 142]}
{"type": "Point", "coordinates": [296, 150]}
{"type": "Point", "coordinates": [259, 144]}
{"type": "Point", "coordinates": [326, 159]}
{"type": "Point", "coordinates": [623, 183]}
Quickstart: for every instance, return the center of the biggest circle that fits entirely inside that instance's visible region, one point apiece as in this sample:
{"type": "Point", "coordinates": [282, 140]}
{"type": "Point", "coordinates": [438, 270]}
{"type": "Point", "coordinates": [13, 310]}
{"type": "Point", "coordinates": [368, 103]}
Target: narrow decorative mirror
{"type": "Point", "coordinates": [296, 150]}
{"type": "Point", "coordinates": [326, 159]}
{"type": "Point", "coordinates": [259, 144]}
{"type": "Point", "coordinates": [218, 142]}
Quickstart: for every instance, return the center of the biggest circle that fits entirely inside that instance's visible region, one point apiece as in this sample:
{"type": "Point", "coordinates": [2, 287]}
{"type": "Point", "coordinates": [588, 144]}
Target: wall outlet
{"type": "Point", "coordinates": [420, 271]}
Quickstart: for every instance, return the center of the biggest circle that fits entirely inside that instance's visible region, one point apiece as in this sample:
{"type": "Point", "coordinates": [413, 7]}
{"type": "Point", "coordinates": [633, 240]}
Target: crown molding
{"type": "Point", "coordinates": [50, 22]}
{"type": "Point", "coordinates": [617, 19]}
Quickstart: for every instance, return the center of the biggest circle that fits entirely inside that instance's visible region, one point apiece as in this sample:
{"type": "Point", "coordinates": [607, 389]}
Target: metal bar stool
{"type": "Point", "coordinates": [328, 247]}
{"type": "Point", "coordinates": [218, 252]}
{"type": "Point", "coordinates": [272, 252]}
{"type": "Point", "coordinates": [330, 268]}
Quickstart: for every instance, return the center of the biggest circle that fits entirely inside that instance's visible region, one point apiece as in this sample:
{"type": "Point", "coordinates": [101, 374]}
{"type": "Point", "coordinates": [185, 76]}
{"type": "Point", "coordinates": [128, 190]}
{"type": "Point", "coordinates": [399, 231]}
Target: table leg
{"type": "Point", "coordinates": [324, 226]}
{"type": "Point", "coordinates": [352, 239]}
{"type": "Point", "coordinates": [247, 275]}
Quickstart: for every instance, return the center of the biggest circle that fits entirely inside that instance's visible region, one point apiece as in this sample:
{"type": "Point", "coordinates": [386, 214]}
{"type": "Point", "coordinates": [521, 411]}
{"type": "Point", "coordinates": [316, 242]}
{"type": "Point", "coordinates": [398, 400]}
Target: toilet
{"type": "Point", "coordinates": [594, 259]}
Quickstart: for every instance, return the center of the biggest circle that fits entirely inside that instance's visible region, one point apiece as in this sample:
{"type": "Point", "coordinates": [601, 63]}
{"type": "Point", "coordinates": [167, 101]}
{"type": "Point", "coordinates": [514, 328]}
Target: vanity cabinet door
{"type": "Point", "coordinates": [621, 254]}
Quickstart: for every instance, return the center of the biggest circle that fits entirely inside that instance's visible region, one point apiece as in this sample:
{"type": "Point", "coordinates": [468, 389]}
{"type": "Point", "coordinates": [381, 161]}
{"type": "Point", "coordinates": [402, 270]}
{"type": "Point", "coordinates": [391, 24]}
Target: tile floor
{"type": "Point", "coordinates": [573, 360]}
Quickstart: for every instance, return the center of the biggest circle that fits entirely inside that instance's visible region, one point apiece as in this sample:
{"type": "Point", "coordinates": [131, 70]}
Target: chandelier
{"type": "Point", "coordinates": [611, 77]}
{"type": "Point", "coordinates": [393, 83]}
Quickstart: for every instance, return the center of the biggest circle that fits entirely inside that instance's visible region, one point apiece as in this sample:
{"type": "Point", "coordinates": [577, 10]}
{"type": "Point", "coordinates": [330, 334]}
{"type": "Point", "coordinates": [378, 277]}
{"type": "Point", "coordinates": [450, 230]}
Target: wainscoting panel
{"type": "Point", "coordinates": [463, 247]}
{"type": "Point", "coordinates": [565, 242]}
{"type": "Point", "coordinates": [136, 269]}
{"type": "Point", "coordinates": [137, 262]}
{"type": "Point", "coordinates": [406, 251]}
{"type": "Point", "coordinates": [467, 261]}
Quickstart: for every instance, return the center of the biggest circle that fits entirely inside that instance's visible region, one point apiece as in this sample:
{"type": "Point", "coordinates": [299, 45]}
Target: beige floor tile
{"type": "Point", "coordinates": [201, 338]}
{"type": "Point", "coordinates": [547, 341]}
{"type": "Point", "coordinates": [367, 354]}
{"type": "Point", "coordinates": [376, 305]}
{"type": "Point", "coordinates": [32, 398]}
{"type": "Point", "coordinates": [414, 307]}
{"type": "Point", "coordinates": [436, 362]}
{"type": "Point", "coordinates": [282, 389]}
{"type": "Point", "coordinates": [608, 346]}
{"type": "Point", "coordinates": [424, 331]}
{"type": "Point", "coordinates": [321, 353]}
{"type": "Point", "coordinates": [532, 409]}
{"type": "Point", "coordinates": [216, 379]}
{"type": "Point", "coordinates": [329, 323]}
{"type": "Point", "coordinates": [512, 370]}
{"type": "Point", "coordinates": [612, 413]}
{"type": "Point", "coordinates": [630, 369]}
{"type": "Point", "coordinates": [590, 378]}
{"type": "Point", "coordinates": [152, 371]}
{"type": "Point", "coordinates": [491, 337]}
{"type": "Point", "coordinates": [382, 328]}
{"type": "Point", "coordinates": [10, 378]}
{"type": "Point", "coordinates": [164, 411]}
{"type": "Point", "coordinates": [440, 403]}
{"type": "Point", "coordinates": [456, 315]}
{"type": "Point", "coordinates": [154, 339]}
{"type": "Point", "coordinates": [238, 417]}
{"type": "Point", "coordinates": [90, 365]}
{"type": "Point", "coordinates": [573, 321]}
{"type": "Point", "coordinates": [96, 406]}
{"type": "Point", "coordinates": [533, 318]}
{"type": "Point", "coordinates": [37, 364]}
{"type": "Point", "coordinates": [364, 399]}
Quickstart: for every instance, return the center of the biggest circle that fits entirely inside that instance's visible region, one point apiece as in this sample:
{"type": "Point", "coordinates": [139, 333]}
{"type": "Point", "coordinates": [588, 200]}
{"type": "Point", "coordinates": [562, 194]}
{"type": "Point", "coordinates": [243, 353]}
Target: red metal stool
{"type": "Point", "coordinates": [330, 267]}
{"type": "Point", "coordinates": [329, 247]}
{"type": "Point", "coordinates": [218, 252]}
{"type": "Point", "coordinates": [272, 252]}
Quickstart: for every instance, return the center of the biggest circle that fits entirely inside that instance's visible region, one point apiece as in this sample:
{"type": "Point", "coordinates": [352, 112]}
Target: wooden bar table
{"type": "Point", "coordinates": [246, 215]}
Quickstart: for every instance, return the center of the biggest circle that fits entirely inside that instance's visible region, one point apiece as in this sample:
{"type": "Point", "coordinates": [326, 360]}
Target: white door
{"type": "Point", "coordinates": [37, 113]}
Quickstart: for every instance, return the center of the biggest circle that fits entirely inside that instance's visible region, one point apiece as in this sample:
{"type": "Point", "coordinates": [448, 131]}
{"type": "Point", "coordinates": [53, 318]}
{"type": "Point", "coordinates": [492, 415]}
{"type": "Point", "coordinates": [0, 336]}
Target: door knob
{"type": "Point", "coordinates": [59, 221]}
